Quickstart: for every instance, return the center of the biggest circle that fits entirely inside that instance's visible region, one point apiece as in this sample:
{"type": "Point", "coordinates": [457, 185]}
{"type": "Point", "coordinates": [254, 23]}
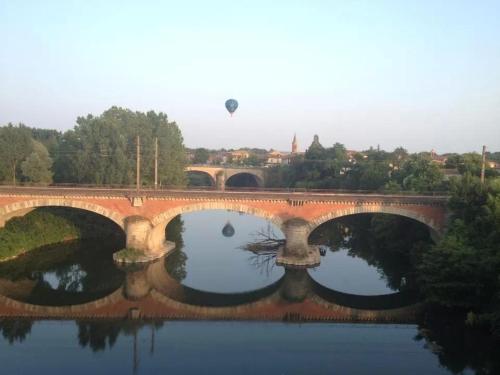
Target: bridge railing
{"type": "Point", "coordinates": [227, 166]}
{"type": "Point", "coordinates": [163, 189]}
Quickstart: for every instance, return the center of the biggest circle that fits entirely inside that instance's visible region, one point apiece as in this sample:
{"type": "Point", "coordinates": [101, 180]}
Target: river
{"type": "Point", "coordinates": [220, 304]}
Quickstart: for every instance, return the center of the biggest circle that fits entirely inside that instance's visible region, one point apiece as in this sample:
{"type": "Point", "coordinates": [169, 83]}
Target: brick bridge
{"type": "Point", "coordinates": [144, 215]}
{"type": "Point", "coordinates": [220, 175]}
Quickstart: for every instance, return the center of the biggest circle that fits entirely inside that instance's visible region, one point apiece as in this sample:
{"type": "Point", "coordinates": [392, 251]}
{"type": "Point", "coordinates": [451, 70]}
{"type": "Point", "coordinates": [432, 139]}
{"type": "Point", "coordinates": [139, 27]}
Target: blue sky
{"type": "Point", "coordinates": [423, 74]}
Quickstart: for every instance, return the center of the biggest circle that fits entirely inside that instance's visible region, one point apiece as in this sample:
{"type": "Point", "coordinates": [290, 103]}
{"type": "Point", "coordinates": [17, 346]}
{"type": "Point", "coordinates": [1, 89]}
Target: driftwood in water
{"type": "Point", "coordinates": [264, 249]}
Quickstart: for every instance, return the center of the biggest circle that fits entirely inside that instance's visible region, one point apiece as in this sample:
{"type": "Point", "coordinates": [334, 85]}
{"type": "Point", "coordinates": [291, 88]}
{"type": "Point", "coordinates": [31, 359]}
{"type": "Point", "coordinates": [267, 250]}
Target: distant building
{"type": "Point", "coordinates": [237, 156]}
{"type": "Point", "coordinates": [275, 157]}
{"type": "Point", "coordinates": [282, 157]}
{"type": "Point", "coordinates": [493, 164]}
{"type": "Point", "coordinates": [295, 145]}
{"type": "Point", "coordinates": [438, 159]}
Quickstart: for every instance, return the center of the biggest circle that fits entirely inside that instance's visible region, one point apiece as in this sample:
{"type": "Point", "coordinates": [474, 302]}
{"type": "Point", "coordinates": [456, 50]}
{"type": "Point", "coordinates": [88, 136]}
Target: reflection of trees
{"type": "Point", "coordinates": [80, 267]}
{"type": "Point", "coordinates": [459, 347]}
{"type": "Point", "coordinates": [99, 335]}
{"type": "Point", "coordinates": [390, 243]}
{"type": "Point", "coordinates": [175, 263]}
{"type": "Point", "coordinates": [15, 329]}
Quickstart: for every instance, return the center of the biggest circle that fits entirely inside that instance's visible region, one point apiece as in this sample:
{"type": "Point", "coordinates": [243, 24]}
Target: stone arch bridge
{"type": "Point", "coordinates": [144, 215]}
{"type": "Point", "coordinates": [220, 175]}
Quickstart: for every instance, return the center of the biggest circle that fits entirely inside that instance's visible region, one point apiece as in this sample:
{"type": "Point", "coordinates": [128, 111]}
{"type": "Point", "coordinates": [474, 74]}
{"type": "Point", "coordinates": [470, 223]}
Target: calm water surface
{"type": "Point", "coordinates": [224, 348]}
{"type": "Point", "coordinates": [211, 257]}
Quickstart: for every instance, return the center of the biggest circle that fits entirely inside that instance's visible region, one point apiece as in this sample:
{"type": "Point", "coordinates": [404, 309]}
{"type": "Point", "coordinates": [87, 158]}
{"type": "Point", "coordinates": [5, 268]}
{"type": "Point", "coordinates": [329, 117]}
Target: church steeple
{"type": "Point", "coordinates": [295, 145]}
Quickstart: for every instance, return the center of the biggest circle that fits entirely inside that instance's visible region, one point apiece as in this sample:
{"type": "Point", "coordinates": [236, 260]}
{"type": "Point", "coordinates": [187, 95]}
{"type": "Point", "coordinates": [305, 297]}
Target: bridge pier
{"type": "Point", "coordinates": [136, 284]}
{"type": "Point", "coordinates": [220, 180]}
{"type": "Point", "coordinates": [148, 240]}
{"type": "Point", "coordinates": [297, 252]}
{"type": "Point", "coordinates": [296, 285]}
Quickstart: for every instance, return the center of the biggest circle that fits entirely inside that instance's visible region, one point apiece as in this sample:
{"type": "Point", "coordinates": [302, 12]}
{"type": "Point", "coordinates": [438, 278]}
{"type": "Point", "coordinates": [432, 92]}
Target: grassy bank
{"type": "Point", "coordinates": [45, 226]}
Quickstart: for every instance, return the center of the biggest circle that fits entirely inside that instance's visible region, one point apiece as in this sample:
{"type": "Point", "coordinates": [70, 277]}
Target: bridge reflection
{"type": "Point", "coordinates": [149, 292]}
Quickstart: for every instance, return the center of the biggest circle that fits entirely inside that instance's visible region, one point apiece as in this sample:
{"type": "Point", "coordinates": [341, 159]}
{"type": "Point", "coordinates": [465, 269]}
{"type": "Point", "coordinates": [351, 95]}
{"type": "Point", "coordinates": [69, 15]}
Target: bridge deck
{"type": "Point", "coordinates": [260, 194]}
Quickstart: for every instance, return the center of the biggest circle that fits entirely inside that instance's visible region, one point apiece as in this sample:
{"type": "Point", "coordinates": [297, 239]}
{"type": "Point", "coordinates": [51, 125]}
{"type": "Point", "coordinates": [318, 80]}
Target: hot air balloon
{"type": "Point", "coordinates": [231, 105]}
{"type": "Point", "coordinates": [228, 230]}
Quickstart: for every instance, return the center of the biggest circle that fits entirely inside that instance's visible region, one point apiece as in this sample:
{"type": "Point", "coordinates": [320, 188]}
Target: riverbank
{"type": "Point", "coordinates": [50, 225]}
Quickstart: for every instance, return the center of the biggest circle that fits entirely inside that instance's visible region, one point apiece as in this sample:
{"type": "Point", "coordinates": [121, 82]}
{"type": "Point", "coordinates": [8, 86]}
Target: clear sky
{"type": "Point", "coordinates": [421, 74]}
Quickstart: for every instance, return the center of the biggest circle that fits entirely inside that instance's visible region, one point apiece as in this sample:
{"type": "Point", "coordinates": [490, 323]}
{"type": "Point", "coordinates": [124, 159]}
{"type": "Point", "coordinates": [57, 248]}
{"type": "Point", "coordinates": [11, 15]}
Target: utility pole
{"type": "Point", "coordinates": [138, 167]}
{"type": "Point", "coordinates": [136, 356]}
{"type": "Point", "coordinates": [483, 164]}
{"type": "Point", "coordinates": [156, 163]}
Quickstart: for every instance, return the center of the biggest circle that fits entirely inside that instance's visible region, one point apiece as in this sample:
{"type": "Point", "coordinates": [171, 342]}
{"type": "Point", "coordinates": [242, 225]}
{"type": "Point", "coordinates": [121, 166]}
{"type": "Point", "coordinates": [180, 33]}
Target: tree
{"type": "Point", "coordinates": [419, 173]}
{"type": "Point", "coordinates": [253, 160]}
{"type": "Point", "coordinates": [461, 271]}
{"type": "Point", "coordinates": [316, 151]}
{"type": "Point", "coordinates": [102, 149]}
{"type": "Point", "coordinates": [37, 167]}
{"type": "Point", "coordinates": [399, 155]}
{"type": "Point", "coordinates": [15, 146]}
{"type": "Point", "coordinates": [201, 156]}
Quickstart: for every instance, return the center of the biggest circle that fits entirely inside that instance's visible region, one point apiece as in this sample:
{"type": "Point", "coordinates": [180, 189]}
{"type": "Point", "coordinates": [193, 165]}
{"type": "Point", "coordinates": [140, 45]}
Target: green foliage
{"type": "Point", "coordinates": [455, 274]}
{"type": "Point", "coordinates": [469, 163]}
{"type": "Point", "coordinates": [391, 243]}
{"type": "Point", "coordinates": [48, 137]}
{"type": "Point", "coordinates": [175, 264]}
{"type": "Point", "coordinates": [201, 156]}
{"type": "Point", "coordinates": [37, 166]}
{"type": "Point", "coordinates": [316, 151]}
{"type": "Point", "coordinates": [129, 255]}
{"type": "Point", "coordinates": [15, 146]}
{"type": "Point", "coordinates": [254, 160]}
{"type": "Point", "coordinates": [51, 225]}
{"type": "Point", "coordinates": [461, 271]}
{"type": "Point", "coordinates": [419, 173]}
{"type": "Point", "coordinates": [102, 150]}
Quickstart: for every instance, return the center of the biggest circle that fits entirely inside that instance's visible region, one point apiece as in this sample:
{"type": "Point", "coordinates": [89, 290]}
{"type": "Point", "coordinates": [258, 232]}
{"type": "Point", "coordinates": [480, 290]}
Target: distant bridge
{"type": "Point", "coordinates": [220, 175]}
{"type": "Point", "coordinates": [144, 215]}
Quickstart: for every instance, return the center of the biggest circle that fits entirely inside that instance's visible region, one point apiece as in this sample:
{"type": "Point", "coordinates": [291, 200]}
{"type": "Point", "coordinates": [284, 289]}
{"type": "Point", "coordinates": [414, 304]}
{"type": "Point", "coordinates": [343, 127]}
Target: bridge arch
{"type": "Point", "coordinates": [68, 311]}
{"type": "Point", "coordinates": [165, 217]}
{"type": "Point", "coordinates": [258, 180]}
{"type": "Point", "coordinates": [194, 172]}
{"type": "Point", "coordinates": [161, 221]}
{"type": "Point", "coordinates": [435, 229]}
{"type": "Point", "coordinates": [114, 216]}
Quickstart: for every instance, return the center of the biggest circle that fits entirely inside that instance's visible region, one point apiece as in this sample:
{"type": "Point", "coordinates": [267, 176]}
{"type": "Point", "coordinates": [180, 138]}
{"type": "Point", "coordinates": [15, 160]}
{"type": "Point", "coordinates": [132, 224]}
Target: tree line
{"type": "Point", "coordinates": [98, 150]}
{"type": "Point", "coordinates": [373, 169]}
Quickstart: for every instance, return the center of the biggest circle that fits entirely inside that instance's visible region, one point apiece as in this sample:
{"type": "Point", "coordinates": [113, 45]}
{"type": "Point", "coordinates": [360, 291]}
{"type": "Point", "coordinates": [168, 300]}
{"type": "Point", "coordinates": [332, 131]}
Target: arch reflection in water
{"type": "Point", "coordinates": [369, 254]}
{"type": "Point", "coordinates": [295, 296]}
{"type": "Point", "coordinates": [207, 261]}
{"type": "Point", "coordinates": [150, 292]}
{"type": "Point", "coordinates": [64, 274]}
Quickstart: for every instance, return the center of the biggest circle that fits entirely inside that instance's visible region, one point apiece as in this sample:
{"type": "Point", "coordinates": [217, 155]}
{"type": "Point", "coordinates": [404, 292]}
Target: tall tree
{"type": "Point", "coordinates": [15, 146]}
{"type": "Point", "coordinates": [200, 156]}
{"type": "Point", "coordinates": [102, 149]}
{"type": "Point", "coordinates": [419, 173]}
{"type": "Point", "coordinates": [37, 166]}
